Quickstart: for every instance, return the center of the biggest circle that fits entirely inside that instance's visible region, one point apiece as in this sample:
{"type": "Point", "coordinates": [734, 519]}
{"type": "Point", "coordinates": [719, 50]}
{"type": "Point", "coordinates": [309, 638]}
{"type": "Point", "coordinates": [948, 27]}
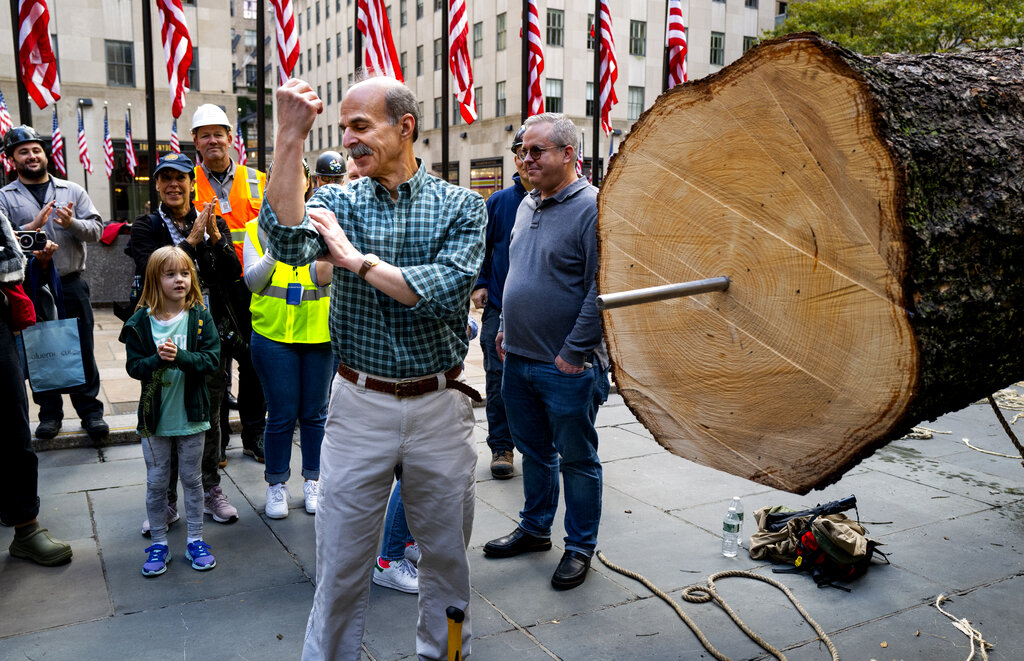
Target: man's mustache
{"type": "Point", "coordinates": [359, 150]}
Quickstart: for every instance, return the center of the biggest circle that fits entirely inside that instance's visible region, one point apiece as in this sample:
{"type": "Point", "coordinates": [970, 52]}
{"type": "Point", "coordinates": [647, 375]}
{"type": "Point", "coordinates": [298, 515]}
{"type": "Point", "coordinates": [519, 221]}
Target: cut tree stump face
{"type": "Point", "coordinates": [771, 173]}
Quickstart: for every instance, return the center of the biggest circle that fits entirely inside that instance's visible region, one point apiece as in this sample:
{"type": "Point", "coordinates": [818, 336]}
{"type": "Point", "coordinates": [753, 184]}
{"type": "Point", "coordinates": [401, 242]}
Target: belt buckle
{"type": "Point", "coordinates": [399, 392]}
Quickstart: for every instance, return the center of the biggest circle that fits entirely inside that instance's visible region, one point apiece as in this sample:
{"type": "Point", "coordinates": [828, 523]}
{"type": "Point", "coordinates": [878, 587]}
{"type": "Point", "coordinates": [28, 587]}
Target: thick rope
{"type": "Point", "coordinates": [966, 629]}
{"type": "Point", "coordinates": [706, 593]}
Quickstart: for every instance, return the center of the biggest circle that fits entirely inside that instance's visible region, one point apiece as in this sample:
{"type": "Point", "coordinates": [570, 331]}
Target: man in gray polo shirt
{"type": "Point", "coordinates": [62, 209]}
{"type": "Point", "coordinates": [555, 374]}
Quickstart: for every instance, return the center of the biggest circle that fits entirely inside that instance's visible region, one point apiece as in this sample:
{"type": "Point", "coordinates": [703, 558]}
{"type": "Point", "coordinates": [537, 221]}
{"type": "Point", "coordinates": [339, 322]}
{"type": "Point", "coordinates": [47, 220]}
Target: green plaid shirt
{"type": "Point", "coordinates": [434, 233]}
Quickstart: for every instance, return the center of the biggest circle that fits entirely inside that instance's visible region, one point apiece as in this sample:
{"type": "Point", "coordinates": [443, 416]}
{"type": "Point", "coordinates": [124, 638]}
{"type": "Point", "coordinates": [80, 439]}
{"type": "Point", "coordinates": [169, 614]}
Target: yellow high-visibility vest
{"type": "Point", "coordinates": [275, 319]}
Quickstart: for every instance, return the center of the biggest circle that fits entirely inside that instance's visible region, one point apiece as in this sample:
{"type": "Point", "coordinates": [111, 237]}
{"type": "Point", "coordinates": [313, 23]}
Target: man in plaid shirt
{"type": "Point", "coordinates": [407, 249]}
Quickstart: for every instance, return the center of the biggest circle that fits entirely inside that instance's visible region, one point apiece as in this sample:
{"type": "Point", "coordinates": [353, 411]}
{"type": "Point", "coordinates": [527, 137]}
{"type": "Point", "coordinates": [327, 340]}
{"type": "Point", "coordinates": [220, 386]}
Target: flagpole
{"type": "Point", "coordinates": [359, 39]}
{"type": "Point", "coordinates": [664, 55]}
{"type": "Point", "coordinates": [147, 49]}
{"type": "Point", "coordinates": [525, 27]}
{"type": "Point", "coordinates": [261, 91]}
{"type": "Point", "coordinates": [24, 109]}
{"type": "Point", "coordinates": [598, 41]}
{"type": "Point", "coordinates": [444, 91]}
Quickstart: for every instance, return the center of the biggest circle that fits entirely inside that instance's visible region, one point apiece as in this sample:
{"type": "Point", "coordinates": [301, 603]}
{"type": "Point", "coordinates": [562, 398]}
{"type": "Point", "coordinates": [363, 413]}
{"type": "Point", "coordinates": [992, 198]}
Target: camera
{"type": "Point", "coordinates": [31, 241]}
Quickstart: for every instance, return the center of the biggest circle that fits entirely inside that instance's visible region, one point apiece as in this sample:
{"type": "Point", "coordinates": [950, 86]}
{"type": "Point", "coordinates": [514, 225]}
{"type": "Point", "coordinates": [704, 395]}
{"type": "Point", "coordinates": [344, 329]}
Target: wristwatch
{"type": "Point", "coordinates": [369, 261]}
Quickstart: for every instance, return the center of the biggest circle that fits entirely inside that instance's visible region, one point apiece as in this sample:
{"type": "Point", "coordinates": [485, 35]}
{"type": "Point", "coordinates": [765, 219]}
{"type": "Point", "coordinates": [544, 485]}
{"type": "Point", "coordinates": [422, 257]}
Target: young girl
{"type": "Point", "coordinates": [172, 344]}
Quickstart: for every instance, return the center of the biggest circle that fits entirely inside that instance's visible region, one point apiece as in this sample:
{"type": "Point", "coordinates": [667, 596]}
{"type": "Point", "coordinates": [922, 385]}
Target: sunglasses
{"type": "Point", "coordinates": [534, 152]}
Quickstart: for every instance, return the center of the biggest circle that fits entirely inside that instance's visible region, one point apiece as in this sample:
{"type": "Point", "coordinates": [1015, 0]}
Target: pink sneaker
{"type": "Point", "coordinates": [216, 505]}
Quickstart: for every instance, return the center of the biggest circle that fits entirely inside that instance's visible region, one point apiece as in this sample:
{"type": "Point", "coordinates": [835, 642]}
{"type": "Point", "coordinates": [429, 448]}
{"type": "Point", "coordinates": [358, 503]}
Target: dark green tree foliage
{"type": "Point", "coordinates": [910, 26]}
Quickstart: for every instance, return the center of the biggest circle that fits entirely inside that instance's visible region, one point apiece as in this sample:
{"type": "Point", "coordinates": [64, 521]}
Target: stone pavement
{"type": "Point", "coordinates": [951, 518]}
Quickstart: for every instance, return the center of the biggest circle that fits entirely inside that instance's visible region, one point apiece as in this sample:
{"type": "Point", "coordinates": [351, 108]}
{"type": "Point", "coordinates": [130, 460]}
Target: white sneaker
{"type": "Point", "coordinates": [412, 553]}
{"type": "Point", "coordinates": [311, 489]}
{"type": "Point", "coordinates": [398, 575]}
{"type": "Point", "coordinates": [277, 501]}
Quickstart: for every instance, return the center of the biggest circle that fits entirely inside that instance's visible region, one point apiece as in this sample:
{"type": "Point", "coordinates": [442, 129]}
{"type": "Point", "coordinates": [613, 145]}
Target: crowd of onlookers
{"type": "Point", "coordinates": [341, 295]}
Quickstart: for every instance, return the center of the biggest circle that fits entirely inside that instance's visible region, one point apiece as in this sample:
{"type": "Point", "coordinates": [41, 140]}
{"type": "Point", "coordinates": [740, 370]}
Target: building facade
{"type": "Point", "coordinates": [99, 48]}
{"type": "Point", "coordinates": [718, 32]}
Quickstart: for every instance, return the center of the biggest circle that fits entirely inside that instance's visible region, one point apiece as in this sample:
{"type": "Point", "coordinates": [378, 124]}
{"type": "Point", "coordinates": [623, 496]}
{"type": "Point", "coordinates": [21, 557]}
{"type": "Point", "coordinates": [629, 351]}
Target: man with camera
{"type": "Point", "coordinates": [63, 210]}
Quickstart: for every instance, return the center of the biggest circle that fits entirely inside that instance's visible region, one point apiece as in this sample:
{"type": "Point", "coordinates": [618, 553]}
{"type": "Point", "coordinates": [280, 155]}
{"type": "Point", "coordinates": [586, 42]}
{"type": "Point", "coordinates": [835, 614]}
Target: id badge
{"type": "Point", "coordinates": [294, 294]}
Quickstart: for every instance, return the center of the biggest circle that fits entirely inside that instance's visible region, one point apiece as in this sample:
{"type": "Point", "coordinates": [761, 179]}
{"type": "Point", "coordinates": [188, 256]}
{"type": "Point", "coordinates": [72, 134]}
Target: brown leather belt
{"type": "Point", "coordinates": [411, 387]}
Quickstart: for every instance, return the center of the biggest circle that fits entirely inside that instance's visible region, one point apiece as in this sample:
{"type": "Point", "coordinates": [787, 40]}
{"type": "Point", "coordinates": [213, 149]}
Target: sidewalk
{"type": "Point", "coordinates": [951, 518]}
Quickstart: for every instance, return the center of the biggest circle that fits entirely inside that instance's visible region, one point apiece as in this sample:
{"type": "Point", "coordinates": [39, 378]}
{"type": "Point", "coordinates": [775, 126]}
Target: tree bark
{"type": "Point", "coordinates": [868, 213]}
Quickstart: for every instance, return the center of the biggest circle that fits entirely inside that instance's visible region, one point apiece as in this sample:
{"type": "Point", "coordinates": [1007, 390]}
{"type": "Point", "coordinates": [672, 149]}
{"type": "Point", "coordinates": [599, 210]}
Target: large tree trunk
{"type": "Point", "coordinates": [868, 211]}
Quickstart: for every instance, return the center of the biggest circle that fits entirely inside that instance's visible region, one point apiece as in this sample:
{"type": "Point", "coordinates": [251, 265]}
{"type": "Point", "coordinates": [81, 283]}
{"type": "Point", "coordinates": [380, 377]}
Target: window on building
{"type": "Point", "coordinates": [327, 14]}
{"type": "Point", "coordinates": [437, 112]}
{"type": "Point", "coordinates": [718, 48]}
{"type": "Point", "coordinates": [478, 98]}
{"type": "Point", "coordinates": [252, 75]}
{"type": "Point", "coordinates": [499, 99]}
{"type": "Point", "coordinates": [309, 18]}
{"type": "Point", "coordinates": [456, 113]}
{"type": "Point", "coordinates": [748, 43]}
{"type": "Point", "coordinates": [589, 106]}
{"type": "Point", "coordinates": [438, 5]}
{"type": "Point", "coordinates": [721, 1]}
{"type": "Point", "coordinates": [349, 80]}
{"type": "Point", "coordinates": [318, 54]}
{"type": "Point", "coordinates": [298, 62]}
{"type": "Point", "coordinates": [328, 93]}
{"type": "Point", "coordinates": [320, 139]}
{"type": "Point", "coordinates": [403, 15]}
{"type": "Point", "coordinates": [348, 34]}
{"type": "Point", "coordinates": [337, 44]}
{"type": "Point", "coordinates": [419, 60]}
{"type": "Point", "coordinates": [420, 119]}
{"type": "Point", "coordinates": [437, 55]}
{"type": "Point", "coordinates": [635, 105]}
{"type": "Point", "coordinates": [318, 12]}
{"type": "Point", "coordinates": [309, 59]}
{"type": "Point", "coordinates": [419, 9]}
{"type": "Point", "coordinates": [485, 176]}
{"type": "Point", "coordinates": [339, 90]}
{"type": "Point", "coordinates": [330, 136]}
{"type": "Point", "coordinates": [250, 39]}
{"type": "Point", "coordinates": [453, 171]}
{"type": "Point", "coordinates": [193, 70]}
{"type": "Point", "coordinates": [310, 141]}
{"type": "Point", "coordinates": [500, 23]}
{"type": "Point", "coordinates": [249, 9]}
{"type": "Point", "coordinates": [556, 26]}
{"type": "Point", "coordinates": [401, 62]}
{"type": "Point", "coordinates": [553, 95]}
{"type": "Point", "coordinates": [638, 38]}
{"type": "Point", "coordinates": [327, 50]}
{"type": "Point", "coordinates": [478, 40]}
{"type": "Point", "coordinates": [590, 32]}
{"type": "Point", "coordinates": [319, 92]}
{"type": "Point", "coordinates": [120, 63]}
{"type": "Point", "coordinates": [781, 9]}
{"type": "Point", "coordinates": [752, 4]}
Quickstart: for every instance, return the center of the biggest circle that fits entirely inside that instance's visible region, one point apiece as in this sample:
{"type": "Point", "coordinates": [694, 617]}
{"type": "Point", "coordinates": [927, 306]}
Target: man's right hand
{"type": "Point", "coordinates": [297, 108]}
{"type": "Point", "coordinates": [41, 217]}
{"type": "Point", "coordinates": [479, 298]}
{"type": "Point", "coordinates": [499, 341]}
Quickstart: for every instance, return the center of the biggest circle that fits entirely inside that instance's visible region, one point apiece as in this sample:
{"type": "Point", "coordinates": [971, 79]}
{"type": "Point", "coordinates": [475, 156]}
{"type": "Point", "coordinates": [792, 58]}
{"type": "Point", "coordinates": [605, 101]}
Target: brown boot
{"type": "Point", "coordinates": [501, 465]}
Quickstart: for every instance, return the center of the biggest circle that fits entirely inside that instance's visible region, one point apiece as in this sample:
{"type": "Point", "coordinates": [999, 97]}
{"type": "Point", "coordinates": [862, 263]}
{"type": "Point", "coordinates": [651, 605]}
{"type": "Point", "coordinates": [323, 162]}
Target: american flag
{"type": "Point", "coordinates": [57, 148]}
{"type": "Point", "coordinates": [372, 21]}
{"type": "Point", "coordinates": [5, 126]}
{"type": "Point", "coordinates": [35, 53]}
{"type": "Point", "coordinates": [609, 68]}
{"type": "Point", "coordinates": [240, 146]}
{"type": "Point", "coordinates": [535, 104]}
{"type": "Point", "coordinates": [675, 41]}
{"type": "Point", "coordinates": [175, 145]}
{"type": "Point", "coordinates": [129, 147]}
{"type": "Point", "coordinates": [83, 147]}
{"type": "Point", "coordinates": [458, 55]}
{"type": "Point", "coordinates": [287, 38]}
{"type": "Point", "coordinates": [108, 147]}
{"type": "Point", "coordinates": [177, 50]}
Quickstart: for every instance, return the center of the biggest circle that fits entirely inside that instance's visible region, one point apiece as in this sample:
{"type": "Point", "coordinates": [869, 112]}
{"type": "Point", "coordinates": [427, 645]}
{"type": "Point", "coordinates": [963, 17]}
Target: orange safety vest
{"type": "Point", "coordinates": [245, 199]}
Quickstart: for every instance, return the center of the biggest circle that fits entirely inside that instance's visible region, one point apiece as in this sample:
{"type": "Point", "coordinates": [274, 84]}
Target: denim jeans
{"type": "Point", "coordinates": [551, 415]}
{"type": "Point", "coordinates": [157, 451]}
{"type": "Point", "coordinates": [295, 380]}
{"type": "Point", "coordinates": [396, 530]}
{"type": "Point", "coordinates": [499, 439]}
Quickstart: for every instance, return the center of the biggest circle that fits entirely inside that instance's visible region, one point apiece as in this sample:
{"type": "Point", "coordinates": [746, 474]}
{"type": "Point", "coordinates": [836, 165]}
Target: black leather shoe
{"type": "Point", "coordinates": [47, 429]}
{"type": "Point", "coordinates": [516, 542]}
{"type": "Point", "coordinates": [96, 427]}
{"type": "Point", "coordinates": [571, 571]}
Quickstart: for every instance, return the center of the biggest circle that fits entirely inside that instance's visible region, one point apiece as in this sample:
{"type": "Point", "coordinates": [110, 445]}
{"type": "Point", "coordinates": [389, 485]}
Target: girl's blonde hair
{"type": "Point", "coordinates": [152, 294]}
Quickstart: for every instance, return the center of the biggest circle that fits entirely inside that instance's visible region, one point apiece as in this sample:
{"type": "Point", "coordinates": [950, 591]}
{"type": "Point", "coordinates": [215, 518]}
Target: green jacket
{"type": "Point", "coordinates": [202, 357]}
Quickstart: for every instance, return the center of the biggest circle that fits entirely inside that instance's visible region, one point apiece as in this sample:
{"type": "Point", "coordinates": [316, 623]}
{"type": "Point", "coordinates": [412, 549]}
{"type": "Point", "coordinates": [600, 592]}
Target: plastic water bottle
{"type": "Point", "coordinates": [731, 532]}
{"type": "Point", "coordinates": [739, 512]}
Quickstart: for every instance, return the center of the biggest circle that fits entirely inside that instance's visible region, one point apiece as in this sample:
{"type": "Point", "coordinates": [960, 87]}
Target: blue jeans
{"type": "Point", "coordinates": [396, 530]}
{"type": "Point", "coordinates": [551, 415]}
{"type": "Point", "coordinates": [295, 380]}
{"type": "Point", "coordinates": [499, 439]}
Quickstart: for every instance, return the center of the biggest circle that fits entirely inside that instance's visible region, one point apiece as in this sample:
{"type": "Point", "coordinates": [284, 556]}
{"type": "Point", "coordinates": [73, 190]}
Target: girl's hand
{"type": "Point", "coordinates": [167, 351]}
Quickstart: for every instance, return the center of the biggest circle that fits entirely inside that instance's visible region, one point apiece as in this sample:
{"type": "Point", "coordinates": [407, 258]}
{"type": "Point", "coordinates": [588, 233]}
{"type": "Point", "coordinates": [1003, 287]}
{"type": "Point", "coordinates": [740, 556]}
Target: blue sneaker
{"type": "Point", "coordinates": [198, 552]}
{"type": "Point", "coordinates": [156, 563]}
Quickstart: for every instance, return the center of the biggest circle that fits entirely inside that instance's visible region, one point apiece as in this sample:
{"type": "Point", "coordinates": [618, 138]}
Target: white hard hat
{"type": "Point", "coordinates": [210, 115]}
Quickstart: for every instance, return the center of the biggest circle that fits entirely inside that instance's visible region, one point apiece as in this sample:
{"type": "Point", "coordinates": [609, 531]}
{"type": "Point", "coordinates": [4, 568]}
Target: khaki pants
{"type": "Point", "coordinates": [367, 435]}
